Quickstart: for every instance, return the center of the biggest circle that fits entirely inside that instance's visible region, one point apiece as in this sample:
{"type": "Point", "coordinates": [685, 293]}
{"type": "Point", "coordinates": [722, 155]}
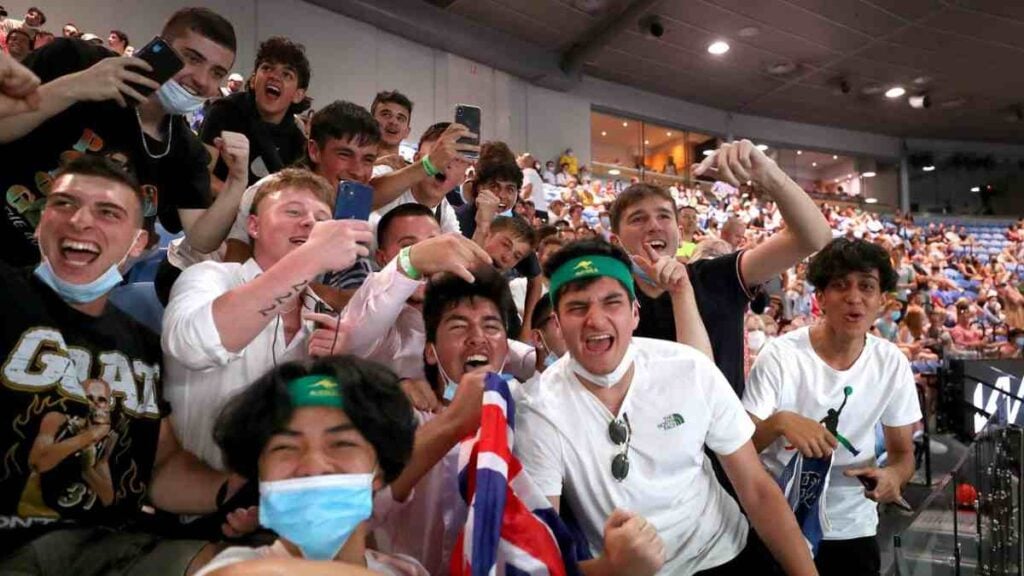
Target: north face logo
{"type": "Point", "coordinates": [671, 421]}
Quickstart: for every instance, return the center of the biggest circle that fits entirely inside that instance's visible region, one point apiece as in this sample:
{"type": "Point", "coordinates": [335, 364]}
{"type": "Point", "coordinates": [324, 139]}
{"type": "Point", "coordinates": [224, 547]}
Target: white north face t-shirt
{"type": "Point", "coordinates": [677, 403]}
{"type": "Point", "coordinates": [789, 375]}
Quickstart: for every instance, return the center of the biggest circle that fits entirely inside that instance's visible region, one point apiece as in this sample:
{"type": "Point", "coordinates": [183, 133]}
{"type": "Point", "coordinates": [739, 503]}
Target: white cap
{"type": "Point", "coordinates": [236, 77]}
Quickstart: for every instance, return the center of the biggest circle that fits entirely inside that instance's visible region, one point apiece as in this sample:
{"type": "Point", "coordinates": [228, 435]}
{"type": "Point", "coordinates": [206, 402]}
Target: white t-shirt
{"type": "Point", "coordinates": [677, 403]}
{"type": "Point", "coordinates": [540, 199]}
{"type": "Point", "coordinates": [789, 375]}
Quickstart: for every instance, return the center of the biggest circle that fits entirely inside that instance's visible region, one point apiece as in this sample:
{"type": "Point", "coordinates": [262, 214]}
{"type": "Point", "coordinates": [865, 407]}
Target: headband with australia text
{"type": "Point", "coordinates": [589, 267]}
{"type": "Point", "coordinates": [315, 390]}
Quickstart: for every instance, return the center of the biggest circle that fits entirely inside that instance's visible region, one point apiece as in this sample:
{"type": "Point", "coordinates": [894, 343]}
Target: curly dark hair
{"type": "Point", "coordinates": [373, 401]}
{"type": "Point", "coordinates": [281, 50]}
{"type": "Point", "coordinates": [588, 247]}
{"type": "Point", "coordinates": [497, 162]}
{"type": "Point", "coordinates": [842, 256]}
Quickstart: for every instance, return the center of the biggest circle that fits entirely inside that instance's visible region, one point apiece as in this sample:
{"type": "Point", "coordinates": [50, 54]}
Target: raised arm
{"type": "Point", "coordinates": [806, 229]}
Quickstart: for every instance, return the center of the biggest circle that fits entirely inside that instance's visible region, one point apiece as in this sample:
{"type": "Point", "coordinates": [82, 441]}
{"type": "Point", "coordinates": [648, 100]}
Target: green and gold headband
{"type": "Point", "coordinates": [589, 267]}
{"type": "Point", "coordinates": [315, 390]}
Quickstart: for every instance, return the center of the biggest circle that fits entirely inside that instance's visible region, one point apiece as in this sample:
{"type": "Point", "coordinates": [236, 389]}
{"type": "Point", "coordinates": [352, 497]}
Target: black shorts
{"type": "Point", "coordinates": [753, 559]}
{"type": "Point", "coordinates": [854, 557]}
{"type": "Point", "coordinates": [95, 551]}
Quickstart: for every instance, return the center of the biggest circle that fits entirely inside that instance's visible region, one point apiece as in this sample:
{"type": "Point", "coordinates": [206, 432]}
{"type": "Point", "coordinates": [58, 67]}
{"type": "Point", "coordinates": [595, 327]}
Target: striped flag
{"type": "Point", "coordinates": [804, 482]}
{"type": "Point", "coordinates": [511, 527]}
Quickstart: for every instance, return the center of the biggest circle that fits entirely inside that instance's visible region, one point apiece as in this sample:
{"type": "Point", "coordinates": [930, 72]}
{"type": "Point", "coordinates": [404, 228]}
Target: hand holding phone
{"type": "Point", "coordinates": [164, 63]}
{"type": "Point", "coordinates": [354, 201]}
{"type": "Point", "coordinates": [469, 116]}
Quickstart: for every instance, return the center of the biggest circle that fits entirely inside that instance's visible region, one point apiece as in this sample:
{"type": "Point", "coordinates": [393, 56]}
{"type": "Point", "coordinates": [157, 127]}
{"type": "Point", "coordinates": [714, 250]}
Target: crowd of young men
{"type": "Point", "coordinates": [313, 376]}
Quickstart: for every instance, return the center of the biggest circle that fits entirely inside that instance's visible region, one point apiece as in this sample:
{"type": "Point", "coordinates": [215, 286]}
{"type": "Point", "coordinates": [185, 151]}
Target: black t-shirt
{"type": "Point", "coordinates": [722, 301]}
{"type": "Point", "coordinates": [65, 373]}
{"type": "Point", "coordinates": [178, 180]}
{"type": "Point", "coordinates": [271, 146]}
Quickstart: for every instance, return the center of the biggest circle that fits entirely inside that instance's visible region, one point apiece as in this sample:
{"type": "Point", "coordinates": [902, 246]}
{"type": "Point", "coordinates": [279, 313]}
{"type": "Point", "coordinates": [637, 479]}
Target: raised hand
{"type": "Point", "coordinates": [109, 79]}
{"type": "Point", "coordinates": [449, 252]}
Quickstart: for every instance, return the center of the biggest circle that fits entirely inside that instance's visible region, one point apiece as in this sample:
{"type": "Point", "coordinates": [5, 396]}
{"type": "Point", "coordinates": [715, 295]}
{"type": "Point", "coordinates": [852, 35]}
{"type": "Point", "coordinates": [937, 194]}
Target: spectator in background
{"type": "Point", "coordinates": [563, 176]}
{"type": "Point", "coordinates": [888, 322]}
{"type": "Point", "coordinates": [688, 229]}
{"type": "Point", "coordinates": [6, 24]}
{"type": "Point", "coordinates": [734, 231]}
{"type": "Point", "coordinates": [41, 39]}
{"type": "Point", "coordinates": [965, 336]}
{"type": "Point", "coordinates": [70, 30]}
{"type": "Point", "coordinates": [118, 42]}
{"type": "Point", "coordinates": [34, 18]}
{"type": "Point", "coordinates": [393, 111]}
{"type": "Point", "coordinates": [548, 174]}
{"type": "Point", "coordinates": [262, 114]}
{"type": "Point", "coordinates": [533, 186]}
{"type": "Point", "coordinates": [236, 83]}
{"type": "Point", "coordinates": [19, 44]}
{"type": "Point", "coordinates": [569, 162]}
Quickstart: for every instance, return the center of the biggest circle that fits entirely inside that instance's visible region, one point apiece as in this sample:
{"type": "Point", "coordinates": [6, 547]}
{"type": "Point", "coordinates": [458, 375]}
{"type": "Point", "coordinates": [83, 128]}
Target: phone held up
{"type": "Point", "coordinates": [165, 62]}
{"type": "Point", "coordinates": [469, 116]}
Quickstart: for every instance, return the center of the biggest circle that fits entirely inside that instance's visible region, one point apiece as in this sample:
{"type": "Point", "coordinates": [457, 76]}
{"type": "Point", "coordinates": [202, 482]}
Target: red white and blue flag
{"type": "Point", "coordinates": [511, 528]}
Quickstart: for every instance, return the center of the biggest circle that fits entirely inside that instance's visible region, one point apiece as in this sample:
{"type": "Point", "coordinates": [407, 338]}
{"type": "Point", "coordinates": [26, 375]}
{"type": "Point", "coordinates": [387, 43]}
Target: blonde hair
{"type": "Point", "coordinates": [299, 178]}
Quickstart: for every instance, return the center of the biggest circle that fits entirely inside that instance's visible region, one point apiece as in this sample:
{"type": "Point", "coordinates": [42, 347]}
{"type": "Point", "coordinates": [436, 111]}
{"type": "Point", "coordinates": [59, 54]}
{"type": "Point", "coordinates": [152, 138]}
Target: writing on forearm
{"type": "Point", "coordinates": [279, 300]}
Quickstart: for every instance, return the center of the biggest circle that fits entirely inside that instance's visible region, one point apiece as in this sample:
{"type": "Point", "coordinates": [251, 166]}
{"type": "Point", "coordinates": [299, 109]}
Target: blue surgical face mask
{"type": "Point", "coordinates": [1019, 341]}
{"type": "Point", "coordinates": [319, 513]}
{"type": "Point", "coordinates": [606, 223]}
{"type": "Point", "coordinates": [506, 213]}
{"type": "Point", "coordinates": [451, 386]}
{"type": "Point", "coordinates": [176, 100]}
{"type": "Point", "coordinates": [895, 315]}
{"type": "Point", "coordinates": [83, 293]}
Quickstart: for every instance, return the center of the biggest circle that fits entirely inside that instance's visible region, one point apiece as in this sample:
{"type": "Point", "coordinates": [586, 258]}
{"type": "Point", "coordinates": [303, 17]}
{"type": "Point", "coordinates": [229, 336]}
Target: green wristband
{"type": "Point", "coordinates": [405, 263]}
{"type": "Point", "coordinates": [429, 167]}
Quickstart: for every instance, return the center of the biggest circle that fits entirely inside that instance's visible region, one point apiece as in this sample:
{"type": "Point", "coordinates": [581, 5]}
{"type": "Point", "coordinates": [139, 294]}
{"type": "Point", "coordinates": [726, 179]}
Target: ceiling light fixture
{"type": "Point", "coordinates": [920, 101]}
{"type": "Point", "coordinates": [928, 168]}
{"type": "Point", "coordinates": [976, 189]}
{"type": "Point", "coordinates": [718, 47]}
{"type": "Point", "coordinates": [647, 142]}
{"type": "Point", "coordinates": [603, 133]}
{"type": "Point", "coordinates": [614, 172]}
{"type": "Point", "coordinates": [835, 157]}
{"type": "Point", "coordinates": [799, 152]}
{"type": "Point", "coordinates": [871, 200]}
{"type": "Point", "coordinates": [814, 164]}
{"type": "Point", "coordinates": [868, 175]}
{"type": "Point", "coordinates": [625, 124]}
{"type": "Point", "coordinates": [895, 92]}
{"type": "Point", "coordinates": [669, 134]}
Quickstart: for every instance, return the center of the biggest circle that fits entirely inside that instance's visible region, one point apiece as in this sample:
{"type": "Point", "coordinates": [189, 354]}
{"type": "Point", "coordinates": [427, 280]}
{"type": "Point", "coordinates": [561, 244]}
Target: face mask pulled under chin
{"type": "Point", "coordinates": [451, 386]}
{"type": "Point", "coordinates": [177, 100]}
{"type": "Point", "coordinates": [83, 293]}
{"type": "Point", "coordinates": [611, 378]}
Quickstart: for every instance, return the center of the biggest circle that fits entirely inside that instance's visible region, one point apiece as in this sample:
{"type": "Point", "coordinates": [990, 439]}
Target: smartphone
{"type": "Point", "coordinates": [165, 62]}
{"type": "Point", "coordinates": [469, 116]}
{"type": "Point", "coordinates": [354, 201]}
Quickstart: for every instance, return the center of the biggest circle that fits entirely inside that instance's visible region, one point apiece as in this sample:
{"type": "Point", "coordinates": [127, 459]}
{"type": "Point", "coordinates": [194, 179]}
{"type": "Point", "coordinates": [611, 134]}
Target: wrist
{"type": "Point", "coordinates": [406, 265]}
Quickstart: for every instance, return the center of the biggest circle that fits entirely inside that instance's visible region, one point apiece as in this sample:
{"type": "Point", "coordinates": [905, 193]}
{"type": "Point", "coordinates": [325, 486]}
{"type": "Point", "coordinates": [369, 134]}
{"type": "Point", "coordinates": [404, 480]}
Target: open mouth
{"type": "Point", "coordinates": [598, 343]}
{"type": "Point", "coordinates": [79, 253]}
{"type": "Point", "coordinates": [853, 317]}
{"type": "Point", "coordinates": [476, 362]}
{"type": "Point", "coordinates": [273, 91]}
{"type": "Point", "coordinates": [298, 240]}
{"type": "Point", "coordinates": [658, 245]}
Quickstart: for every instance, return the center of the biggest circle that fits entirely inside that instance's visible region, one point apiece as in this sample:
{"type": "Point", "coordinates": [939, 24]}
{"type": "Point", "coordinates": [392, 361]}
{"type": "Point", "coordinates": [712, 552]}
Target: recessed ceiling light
{"type": "Point", "coordinates": [669, 134]}
{"type": "Point", "coordinates": [625, 124]}
{"type": "Point", "coordinates": [762, 147]}
{"type": "Point", "coordinates": [718, 48]}
{"type": "Point", "coordinates": [647, 142]}
{"type": "Point", "coordinates": [603, 133]}
{"type": "Point", "coordinates": [895, 92]}
{"type": "Point", "coordinates": [871, 200]}
{"type": "Point", "coordinates": [814, 164]}
{"type": "Point", "coordinates": [976, 189]}
{"type": "Point", "coordinates": [835, 157]}
{"type": "Point", "coordinates": [868, 175]}
{"type": "Point", "coordinates": [614, 172]}
{"type": "Point", "coordinates": [799, 152]}
{"type": "Point", "coordinates": [928, 168]}
{"type": "Point", "coordinates": [708, 152]}
{"type": "Point", "coordinates": [749, 31]}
